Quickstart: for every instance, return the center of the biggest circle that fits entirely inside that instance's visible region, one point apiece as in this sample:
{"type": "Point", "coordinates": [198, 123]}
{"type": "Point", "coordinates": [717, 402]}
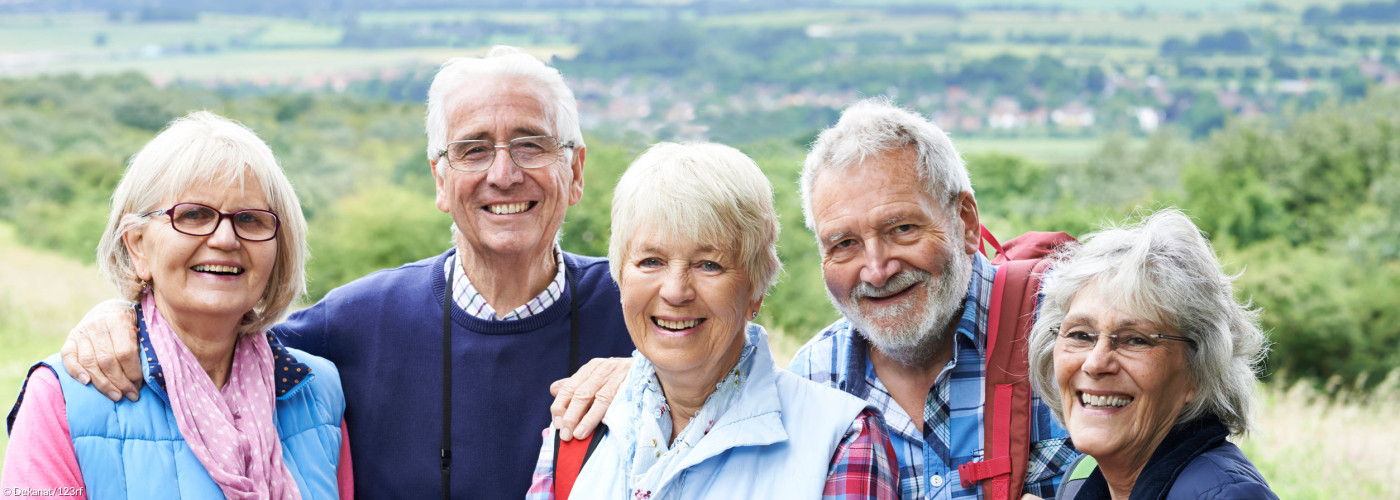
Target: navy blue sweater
{"type": "Point", "coordinates": [384, 333]}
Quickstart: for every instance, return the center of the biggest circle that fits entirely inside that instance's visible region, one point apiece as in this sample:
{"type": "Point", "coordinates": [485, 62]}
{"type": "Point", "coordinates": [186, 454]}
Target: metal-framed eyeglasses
{"type": "Point", "coordinates": [1081, 340]}
{"type": "Point", "coordinates": [527, 152]}
{"type": "Point", "coordinates": [195, 219]}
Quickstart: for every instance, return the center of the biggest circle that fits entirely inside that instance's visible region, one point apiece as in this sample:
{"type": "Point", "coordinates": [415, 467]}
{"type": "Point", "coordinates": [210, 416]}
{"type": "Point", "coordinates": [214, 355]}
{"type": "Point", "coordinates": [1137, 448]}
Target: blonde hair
{"type": "Point", "coordinates": [703, 192]}
{"type": "Point", "coordinates": [203, 148]}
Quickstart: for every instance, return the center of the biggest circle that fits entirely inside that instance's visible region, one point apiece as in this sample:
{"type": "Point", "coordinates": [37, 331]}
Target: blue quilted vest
{"type": "Point", "coordinates": [135, 450]}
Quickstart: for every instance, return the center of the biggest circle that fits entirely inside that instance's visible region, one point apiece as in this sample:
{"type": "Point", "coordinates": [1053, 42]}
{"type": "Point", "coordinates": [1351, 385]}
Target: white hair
{"type": "Point", "coordinates": [204, 149]}
{"type": "Point", "coordinates": [874, 127]}
{"type": "Point", "coordinates": [502, 60]}
{"type": "Point", "coordinates": [1164, 270]}
{"type": "Point", "coordinates": [701, 192]}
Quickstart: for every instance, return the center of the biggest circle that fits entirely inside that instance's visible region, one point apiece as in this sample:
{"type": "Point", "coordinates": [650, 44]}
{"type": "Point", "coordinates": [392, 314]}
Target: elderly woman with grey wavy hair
{"type": "Point", "coordinates": [703, 411]}
{"type": "Point", "coordinates": [206, 236]}
{"type": "Point", "coordinates": [1144, 354]}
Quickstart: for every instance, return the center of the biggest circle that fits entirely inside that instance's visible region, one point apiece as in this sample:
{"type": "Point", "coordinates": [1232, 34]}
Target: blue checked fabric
{"type": "Point", "coordinates": [952, 435]}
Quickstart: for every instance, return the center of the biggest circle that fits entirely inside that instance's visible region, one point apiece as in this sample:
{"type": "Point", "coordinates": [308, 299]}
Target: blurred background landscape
{"type": "Point", "coordinates": [1275, 124]}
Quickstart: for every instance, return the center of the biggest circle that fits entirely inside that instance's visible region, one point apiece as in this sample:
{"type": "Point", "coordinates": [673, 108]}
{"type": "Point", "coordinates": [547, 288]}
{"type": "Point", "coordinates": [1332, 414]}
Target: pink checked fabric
{"type": "Point", "coordinates": [230, 430]}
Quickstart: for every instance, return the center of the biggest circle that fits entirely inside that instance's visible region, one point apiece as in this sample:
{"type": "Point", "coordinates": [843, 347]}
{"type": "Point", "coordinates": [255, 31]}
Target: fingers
{"type": "Point", "coordinates": [69, 353]}
{"type": "Point", "coordinates": [105, 350]}
{"type": "Point", "coordinates": [592, 395]}
{"type": "Point", "coordinates": [590, 420]}
{"type": "Point", "coordinates": [88, 361]}
{"type": "Point", "coordinates": [563, 390]}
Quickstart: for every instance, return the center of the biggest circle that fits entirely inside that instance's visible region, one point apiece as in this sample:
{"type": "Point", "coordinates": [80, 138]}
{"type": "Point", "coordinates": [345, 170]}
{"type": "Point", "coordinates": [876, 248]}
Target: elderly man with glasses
{"type": "Point", "coordinates": [447, 362]}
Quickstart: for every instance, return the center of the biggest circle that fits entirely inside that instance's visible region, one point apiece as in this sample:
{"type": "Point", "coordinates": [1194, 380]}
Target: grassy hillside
{"type": "Point", "coordinates": [41, 296]}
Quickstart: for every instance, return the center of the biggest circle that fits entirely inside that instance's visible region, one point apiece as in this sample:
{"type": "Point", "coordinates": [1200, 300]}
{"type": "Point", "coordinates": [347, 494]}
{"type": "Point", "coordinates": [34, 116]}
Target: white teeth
{"type": "Point", "coordinates": [676, 325]}
{"type": "Point", "coordinates": [1104, 401]}
{"type": "Point", "coordinates": [215, 268]}
{"type": "Point", "coordinates": [508, 208]}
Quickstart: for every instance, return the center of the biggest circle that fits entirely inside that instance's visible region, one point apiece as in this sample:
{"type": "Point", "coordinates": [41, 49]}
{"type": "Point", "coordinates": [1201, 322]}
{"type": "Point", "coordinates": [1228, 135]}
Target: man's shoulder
{"type": "Point", "coordinates": [821, 359]}
{"type": "Point", "coordinates": [393, 281]}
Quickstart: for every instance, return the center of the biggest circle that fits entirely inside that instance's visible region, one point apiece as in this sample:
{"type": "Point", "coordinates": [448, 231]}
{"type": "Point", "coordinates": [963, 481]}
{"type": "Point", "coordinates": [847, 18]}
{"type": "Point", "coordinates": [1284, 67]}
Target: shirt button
{"type": "Point", "coordinates": [935, 481]}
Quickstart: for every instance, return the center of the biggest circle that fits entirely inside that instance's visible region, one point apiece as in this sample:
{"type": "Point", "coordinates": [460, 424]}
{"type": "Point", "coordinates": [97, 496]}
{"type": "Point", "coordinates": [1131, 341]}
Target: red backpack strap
{"type": "Point", "coordinates": [569, 457]}
{"type": "Point", "coordinates": [1007, 411]}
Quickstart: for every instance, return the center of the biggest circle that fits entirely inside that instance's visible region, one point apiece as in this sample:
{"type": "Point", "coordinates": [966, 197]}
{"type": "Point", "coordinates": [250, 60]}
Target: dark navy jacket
{"type": "Point", "coordinates": [1193, 462]}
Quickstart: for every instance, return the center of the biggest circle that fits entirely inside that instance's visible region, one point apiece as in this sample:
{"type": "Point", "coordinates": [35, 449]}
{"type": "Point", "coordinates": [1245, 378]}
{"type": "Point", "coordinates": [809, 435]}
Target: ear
{"type": "Point", "coordinates": [133, 240]}
{"type": "Point", "coordinates": [443, 201]}
{"type": "Point", "coordinates": [753, 308]}
{"type": "Point", "coordinates": [576, 187]}
{"type": "Point", "coordinates": [972, 226]}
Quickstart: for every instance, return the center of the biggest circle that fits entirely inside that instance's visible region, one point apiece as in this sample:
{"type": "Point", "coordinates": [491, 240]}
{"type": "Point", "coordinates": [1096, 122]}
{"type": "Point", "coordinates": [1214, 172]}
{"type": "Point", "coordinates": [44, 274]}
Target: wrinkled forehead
{"type": "Point", "coordinates": [496, 104]}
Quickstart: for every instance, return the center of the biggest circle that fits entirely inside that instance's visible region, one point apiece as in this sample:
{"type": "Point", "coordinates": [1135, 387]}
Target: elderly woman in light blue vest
{"type": "Point", "coordinates": [703, 412]}
{"type": "Point", "coordinates": [207, 237]}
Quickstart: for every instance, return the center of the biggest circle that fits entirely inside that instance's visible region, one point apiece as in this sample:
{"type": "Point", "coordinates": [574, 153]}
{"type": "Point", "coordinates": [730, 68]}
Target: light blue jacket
{"type": "Point", "coordinates": [135, 449]}
{"type": "Point", "coordinates": [775, 442]}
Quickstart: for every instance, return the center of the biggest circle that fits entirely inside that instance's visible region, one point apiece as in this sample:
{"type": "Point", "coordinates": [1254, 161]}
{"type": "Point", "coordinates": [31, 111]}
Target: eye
{"type": "Point", "coordinates": [711, 266]}
{"type": "Point", "coordinates": [903, 228]}
{"type": "Point", "coordinates": [1079, 336]}
{"type": "Point", "coordinates": [649, 262]}
{"type": "Point", "coordinates": [1137, 340]}
{"type": "Point", "coordinates": [194, 213]}
{"type": "Point", "coordinates": [846, 243]}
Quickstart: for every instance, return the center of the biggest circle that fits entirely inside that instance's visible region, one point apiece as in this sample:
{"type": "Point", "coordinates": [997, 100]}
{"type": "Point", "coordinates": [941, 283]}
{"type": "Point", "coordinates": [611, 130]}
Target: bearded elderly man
{"type": "Point", "coordinates": [896, 223]}
{"type": "Point", "coordinates": [507, 156]}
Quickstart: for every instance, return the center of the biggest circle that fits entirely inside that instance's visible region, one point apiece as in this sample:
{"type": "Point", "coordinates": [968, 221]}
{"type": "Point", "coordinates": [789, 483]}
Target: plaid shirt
{"type": "Point", "coordinates": [470, 299]}
{"type": "Point", "coordinates": [952, 418]}
{"type": "Point", "coordinates": [860, 468]}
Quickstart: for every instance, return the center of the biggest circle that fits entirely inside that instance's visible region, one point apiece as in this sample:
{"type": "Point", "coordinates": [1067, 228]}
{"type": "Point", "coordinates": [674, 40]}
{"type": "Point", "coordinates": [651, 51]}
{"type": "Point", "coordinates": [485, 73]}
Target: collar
{"type": "Point", "coordinates": [469, 298]}
{"type": "Point", "coordinates": [283, 363]}
{"type": "Point", "coordinates": [972, 328]}
{"type": "Point", "coordinates": [1183, 444]}
{"type": "Point", "coordinates": [754, 419]}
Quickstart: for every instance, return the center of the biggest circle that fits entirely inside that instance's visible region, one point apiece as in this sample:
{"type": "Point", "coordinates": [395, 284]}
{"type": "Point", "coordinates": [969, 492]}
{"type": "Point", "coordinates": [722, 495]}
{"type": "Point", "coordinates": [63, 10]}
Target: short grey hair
{"type": "Point", "coordinates": [876, 126]}
{"type": "Point", "coordinates": [203, 148]}
{"type": "Point", "coordinates": [1162, 269]}
{"type": "Point", "coordinates": [704, 192]}
{"type": "Point", "coordinates": [502, 60]}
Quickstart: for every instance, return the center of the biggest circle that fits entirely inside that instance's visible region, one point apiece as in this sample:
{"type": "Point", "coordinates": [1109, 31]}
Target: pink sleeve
{"type": "Point", "coordinates": [40, 454]}
{"type": "Point", "coordinates": [345, 477]}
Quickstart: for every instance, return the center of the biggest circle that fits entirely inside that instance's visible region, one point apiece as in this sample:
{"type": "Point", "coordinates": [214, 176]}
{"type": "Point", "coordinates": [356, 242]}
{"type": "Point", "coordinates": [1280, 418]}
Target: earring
{"type": "Point", "coordinates": [145, 286]}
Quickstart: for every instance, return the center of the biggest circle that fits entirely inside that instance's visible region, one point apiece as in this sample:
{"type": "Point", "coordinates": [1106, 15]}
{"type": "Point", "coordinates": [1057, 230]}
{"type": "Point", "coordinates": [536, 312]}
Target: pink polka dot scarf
{"type": "Point", "coordinates": [230, 430]}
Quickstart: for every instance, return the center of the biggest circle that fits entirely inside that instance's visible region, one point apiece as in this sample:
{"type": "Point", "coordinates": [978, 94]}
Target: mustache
{"type": "Point", "coordinates": [899, 281]}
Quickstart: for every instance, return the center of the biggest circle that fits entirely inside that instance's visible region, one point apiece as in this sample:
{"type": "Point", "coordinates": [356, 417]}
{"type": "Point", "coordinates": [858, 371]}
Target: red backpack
{"type": "Point", "coordinates": [1007, 412]}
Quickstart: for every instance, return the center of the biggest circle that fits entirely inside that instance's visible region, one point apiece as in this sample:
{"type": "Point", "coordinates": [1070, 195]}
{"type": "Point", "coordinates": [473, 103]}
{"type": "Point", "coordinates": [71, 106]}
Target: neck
{"type": "Point", "coordinates": [508, 282]}
{"type": "Point", "coordinates": [909, 385]}
{"type": "Point", "coordinates": [211, 339]}
{"type": "Point", "coordinates": [1120, 470]}
{"type": "Point", "coordinates": [686, 393]}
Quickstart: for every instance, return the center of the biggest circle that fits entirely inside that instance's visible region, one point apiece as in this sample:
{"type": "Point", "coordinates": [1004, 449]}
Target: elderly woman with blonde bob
{"type": "Point", "coordinates": [1144, 354]}
{"type": "Point", "coordinates": [206, 236]}
{"type": "Point", "coordinates": [704, 412]}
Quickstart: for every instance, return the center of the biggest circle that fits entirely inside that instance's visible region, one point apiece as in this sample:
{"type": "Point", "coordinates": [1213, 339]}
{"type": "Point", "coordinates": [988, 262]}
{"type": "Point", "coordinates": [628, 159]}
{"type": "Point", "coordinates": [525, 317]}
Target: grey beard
{"type": "Point", "coordinates": [926, 325]}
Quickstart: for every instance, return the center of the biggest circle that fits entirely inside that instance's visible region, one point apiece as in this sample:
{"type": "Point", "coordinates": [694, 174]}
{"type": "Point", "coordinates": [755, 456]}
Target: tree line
{"type": "Point", "coordinates": [1306, 206]}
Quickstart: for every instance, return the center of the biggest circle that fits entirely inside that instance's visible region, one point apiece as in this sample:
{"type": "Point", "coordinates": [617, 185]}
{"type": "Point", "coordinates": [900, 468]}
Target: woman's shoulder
{"type": "Point", "coordinates": [1222, 472]}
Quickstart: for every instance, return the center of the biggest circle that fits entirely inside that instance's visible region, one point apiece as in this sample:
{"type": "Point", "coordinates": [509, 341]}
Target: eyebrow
{"type": "Point", "coordinates": [516, 133]}
{"type": "Point", "coordinates": [1122, 324]}
{"type": "Point", "coordinates": [835, 237]}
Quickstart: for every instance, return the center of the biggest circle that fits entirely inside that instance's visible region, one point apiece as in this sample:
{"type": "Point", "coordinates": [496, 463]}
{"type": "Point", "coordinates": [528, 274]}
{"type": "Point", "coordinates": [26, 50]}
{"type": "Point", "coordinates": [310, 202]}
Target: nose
{"type": "Point", "coordinates": [878, 265]}
{"type": "Point", "coordinates": [223, 236]}
{"type": "Point", "coordinates": [1102, 359]}
{"type": "Point", "coordinates": [503, 172]}
{"type": "Point", "coordinates": [677, 287]}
